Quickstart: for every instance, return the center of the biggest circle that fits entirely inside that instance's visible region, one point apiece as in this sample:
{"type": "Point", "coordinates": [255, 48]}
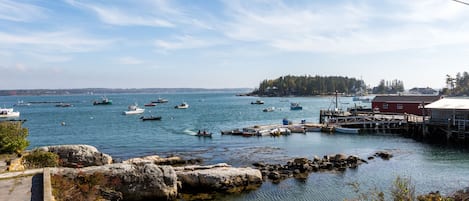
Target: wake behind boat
{"type": "Point", "coordinates": [134, 109]}
{"type": "Point", "coordinates": [8, 113]}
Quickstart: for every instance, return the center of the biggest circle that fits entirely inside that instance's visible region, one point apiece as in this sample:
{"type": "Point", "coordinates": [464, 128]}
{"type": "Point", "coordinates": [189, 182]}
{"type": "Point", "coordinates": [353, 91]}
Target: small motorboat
{"type": "Point", "coordinates": [269, 109]}
{"type": "Point", "coordinates": [160, 100]}
{"type": "Point", "coordinates": [104, 101]}
{"type": "Point", "coordinates": [64, 105]}
{"type": "Point", "coordinates": [183, 105]}
{"type": "Point", "coordinates": [22, 103]}
{"type": "Point", "coordinates": [232, 132]}
{"type": "Point", "coordinates": [257, 102]}
{"type": "Point", "coordinates": [203, 134]}
{"type": "Point", "coordinates": [8, 113]}
{"type": "Point", "coordinates": [150, 104]}
{"type": "Point", "coordinates": [150, 118]}
{"type": "Point", "coordinates": [134, 109]}
{"type": "Point", "coordinates": [346, 130]}
{"type": "Point", "coordinates": [295, 106]}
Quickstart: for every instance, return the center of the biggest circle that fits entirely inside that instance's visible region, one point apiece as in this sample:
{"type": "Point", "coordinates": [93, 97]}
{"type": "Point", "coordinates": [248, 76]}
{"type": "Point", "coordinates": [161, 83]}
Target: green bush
{"type": "Point", "coordinates": [40, 159]}
{"type": "Point", "coordinates": [13, 137]}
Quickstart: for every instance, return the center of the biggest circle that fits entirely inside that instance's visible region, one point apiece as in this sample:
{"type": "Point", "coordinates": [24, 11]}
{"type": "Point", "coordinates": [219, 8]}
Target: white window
{"type": "Point", "coordinates": [400, 106]}
{"type": "Point", "coordinates": [385, 106]}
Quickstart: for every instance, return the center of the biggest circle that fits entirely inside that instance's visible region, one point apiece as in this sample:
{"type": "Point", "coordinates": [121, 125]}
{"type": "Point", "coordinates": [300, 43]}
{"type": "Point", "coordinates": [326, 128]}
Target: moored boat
{"type": "Point", "coordinates": [64, 105]}
{"type": "Point", "coordinates": [257, 102]}
{"type": "Point", "coordinates": [160, 100]}
{"type": "Point", "coordinates": [232, 132]}
{"type": "Point", "coordinates": [269, 109]}
{"type": "Point", "coordinates": [134, 109]}
{"type": "Point", "coordinates": [295, 106]}
{"type": "Point", "coordinates": [104, 101]}
{"type": "Point", "coordinates": [346, 130]}
{"type": "Point", "coordinates": [8, 113]}
{"type": "Point", "coordinates": [22, 103]}
{"type": "Point", "coordinates": [150, 104]}
{"type": "Point", "coordinates": [183, 105]}
{"type": "Point", "coordinates": [150, 118]}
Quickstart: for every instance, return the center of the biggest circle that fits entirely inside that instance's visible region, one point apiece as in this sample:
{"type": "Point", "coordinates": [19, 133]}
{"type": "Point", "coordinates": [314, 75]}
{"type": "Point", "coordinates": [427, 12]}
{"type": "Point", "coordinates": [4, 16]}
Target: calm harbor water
{"type": "Point", "coordinates": [430, 167]}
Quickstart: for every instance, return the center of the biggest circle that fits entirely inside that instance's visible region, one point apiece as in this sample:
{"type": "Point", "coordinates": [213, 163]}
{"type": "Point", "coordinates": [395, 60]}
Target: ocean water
{"type": "Point", "coordinates": [430, 167]}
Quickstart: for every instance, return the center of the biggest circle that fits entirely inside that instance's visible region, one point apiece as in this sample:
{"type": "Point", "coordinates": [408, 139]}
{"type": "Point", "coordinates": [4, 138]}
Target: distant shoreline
{"type": "Point", "coordinates": [97, 91]}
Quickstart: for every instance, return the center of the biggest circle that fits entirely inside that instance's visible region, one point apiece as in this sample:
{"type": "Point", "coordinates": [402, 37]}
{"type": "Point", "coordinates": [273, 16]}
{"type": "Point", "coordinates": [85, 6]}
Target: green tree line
{"type": "Point", "coordinates": [309, 86]}
{"type": "Point", "coordinates": [389, 87]}
{"type": "Point", "coordinates": [457, 86]}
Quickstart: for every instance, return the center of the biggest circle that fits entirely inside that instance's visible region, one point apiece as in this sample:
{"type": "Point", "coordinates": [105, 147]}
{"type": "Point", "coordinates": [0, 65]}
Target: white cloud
{"type": "Point", "coordinates": [129, 61]}
{"type": "Point", "coordinates": [20, 12]}
{"type": "Point", "coordinates": [185, 42]}
{"type": "Point", "coordinates": [61, 41]}
{"type": "Point", "coordinates": [115, 16]}
{"type": "Point", "coordinates": [348, 28]}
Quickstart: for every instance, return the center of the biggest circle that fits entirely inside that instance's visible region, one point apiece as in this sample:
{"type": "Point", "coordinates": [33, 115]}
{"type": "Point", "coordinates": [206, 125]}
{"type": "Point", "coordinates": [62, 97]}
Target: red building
{"type": "Point", "coordinates": [402, 104]}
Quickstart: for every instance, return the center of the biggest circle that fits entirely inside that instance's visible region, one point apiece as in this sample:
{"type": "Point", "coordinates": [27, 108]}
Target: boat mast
{"type": "Point", "coordinates": [336, 101]}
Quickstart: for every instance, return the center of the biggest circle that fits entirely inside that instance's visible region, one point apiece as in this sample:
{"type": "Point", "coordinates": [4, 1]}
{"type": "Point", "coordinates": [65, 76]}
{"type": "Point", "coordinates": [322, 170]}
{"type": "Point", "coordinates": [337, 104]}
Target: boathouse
{"type": "Point", "coordinates": [450, 110]}
{"type": "Point", "coordinates": [403, 104]}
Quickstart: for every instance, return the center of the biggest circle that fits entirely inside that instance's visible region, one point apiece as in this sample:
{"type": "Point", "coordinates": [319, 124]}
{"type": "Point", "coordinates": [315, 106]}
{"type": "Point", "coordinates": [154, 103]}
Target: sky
{"type": "Point", "coordinates": [60, 44]}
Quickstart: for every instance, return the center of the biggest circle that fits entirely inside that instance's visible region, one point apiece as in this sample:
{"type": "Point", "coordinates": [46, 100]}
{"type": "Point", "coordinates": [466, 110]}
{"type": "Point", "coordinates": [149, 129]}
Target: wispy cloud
{"type": "Point", "coordinates": [186, 42]}
{"type": "Point", "coordinates": [348, 28]}
{"type": "Point", "coordinates": [129, 61]}
{"type": "Point", "coordinates": [20, 12]}
{"type": "Point", "coordinates": [62, 41]}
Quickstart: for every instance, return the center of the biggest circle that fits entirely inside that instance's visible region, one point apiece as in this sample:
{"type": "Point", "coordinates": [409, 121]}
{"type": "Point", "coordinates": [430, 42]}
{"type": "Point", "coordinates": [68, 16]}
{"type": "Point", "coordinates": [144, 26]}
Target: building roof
{"type": "Point", "coordinates": [406, 99]}
{"type": "Point", "coordinates": [450, 103]}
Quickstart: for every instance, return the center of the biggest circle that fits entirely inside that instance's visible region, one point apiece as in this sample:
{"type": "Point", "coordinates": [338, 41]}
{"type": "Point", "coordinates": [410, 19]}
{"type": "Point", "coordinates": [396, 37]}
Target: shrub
{"type": "Point", "coordinates": [403, 189]}
{"type": "Point", "coordinates": [13, 137]}
{"type": "Point", "coordinates": [40, 159]}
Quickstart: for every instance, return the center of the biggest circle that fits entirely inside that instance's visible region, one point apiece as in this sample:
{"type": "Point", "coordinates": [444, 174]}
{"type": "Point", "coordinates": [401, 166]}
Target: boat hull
{"type": "Point", "coordinates": [138, 111]}
{"type": "Point", "coordinates": [347, 130]}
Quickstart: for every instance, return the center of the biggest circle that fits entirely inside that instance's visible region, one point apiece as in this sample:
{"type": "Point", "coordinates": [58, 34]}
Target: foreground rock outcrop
{"type": "Point", "coordinates": [78, 155]}
{"type": "Point", "coordinates": [116, 182]}
{"type": "Point", "coordinates": [218, 178]}
{"type": "Point", "coordinates": [301, 167]}
{"type": "Point", "coordinates": [154, 159]}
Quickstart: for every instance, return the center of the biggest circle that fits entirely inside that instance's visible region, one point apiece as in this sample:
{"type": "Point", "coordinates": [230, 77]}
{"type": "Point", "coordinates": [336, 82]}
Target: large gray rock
{"type": "Point", "coordinates": [154, 159]}
{"type": "Point", "coordinates": [79, 155]}
{"type": "Point", "coordinates": [133, 182]}
{"type": "Point", "coordinates": [220, 178]}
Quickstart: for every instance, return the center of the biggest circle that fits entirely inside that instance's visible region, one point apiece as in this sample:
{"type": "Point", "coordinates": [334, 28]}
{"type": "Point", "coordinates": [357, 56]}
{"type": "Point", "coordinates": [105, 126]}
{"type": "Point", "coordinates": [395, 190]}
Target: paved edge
{"type": "Point", "coordinates": [47, 185]}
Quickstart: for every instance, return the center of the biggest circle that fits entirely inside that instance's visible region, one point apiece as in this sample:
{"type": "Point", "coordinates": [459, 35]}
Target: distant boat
{"type": "Point", "coordinates": [8, 113]}
{"type": "Point", "coordinates": [160, 100]}
{"type": "Point", "coordinates": [362, 99]}
{"type": "Point", "coordinates": [150, 104]}
{"type": "Point", "coordinates": [269, 109]}
{"type": "Point", "coordinates": [203, 134]}
{"type": "Point", "coordinates": [104, 101]}
{"type": "Point", "coordinates": [22, 103]}
{"type": "Point", "coordinates": [347, 130]}
{"type": "Point", "coordinates": [295, 106]}
{"type": "Point", "coordinates": [257, 102]}
{"type": "Point", "coordinates": [150, 118]}
{"type": "Point", "coordinates": [183, 105]}
{"type": "Point", "coordinates": [64, 105]}
{"type": "Point", "coordinates": [134, 109]}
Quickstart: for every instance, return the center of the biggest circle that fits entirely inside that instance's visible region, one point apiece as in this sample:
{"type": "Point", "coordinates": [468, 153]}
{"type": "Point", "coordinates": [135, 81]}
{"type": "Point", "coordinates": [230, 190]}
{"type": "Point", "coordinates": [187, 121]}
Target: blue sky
{"type": "Point", "coordinates": [228, 44]}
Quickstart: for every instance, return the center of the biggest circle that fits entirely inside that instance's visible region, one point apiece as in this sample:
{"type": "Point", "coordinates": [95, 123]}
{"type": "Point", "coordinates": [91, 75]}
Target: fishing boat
{"type": "Point", "coordinates": [160, 100]}
{"type": "Point", "coordinates": [295, 106]}
{"type": "Point", "coordinates": [150, 104]}
{"type": "Point", "coordinates": [203, 134]}
{"type": "Point", "coordinates": [183, 105]}
{"type": "Point", "coordinates": [346, 130]}
{"type": "Point", "coordinates": [257, 102]}
{"type": "Point", "coordinates": [269, 109]}
{"type": "Point", "coordinates": [104, 101]}
{"type": "Point", "coordinates": [8, 113]}
{"type": "Point", "coordinates": [134, 109]}
{"type": "Point", "coordinates": [150, 118]}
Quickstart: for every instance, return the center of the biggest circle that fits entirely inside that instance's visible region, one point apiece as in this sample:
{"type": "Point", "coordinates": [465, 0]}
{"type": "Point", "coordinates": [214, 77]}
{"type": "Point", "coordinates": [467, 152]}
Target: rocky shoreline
{"type": "Point", "coordinates": [85, 173]}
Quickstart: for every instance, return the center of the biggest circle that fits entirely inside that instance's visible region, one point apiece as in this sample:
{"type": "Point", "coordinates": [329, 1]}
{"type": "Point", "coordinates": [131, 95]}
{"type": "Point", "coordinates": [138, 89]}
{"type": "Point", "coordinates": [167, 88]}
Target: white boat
{"type": "Point", "coordinates": [183, 105]}
{"type": "Point", "coordinates": [134, 109]}
{"type": "Point", "coordinates": [160, 100]}
{"type": "Point", "coordinates": [347, 130]}
{"type": "Point", "coordinates": [22, 103]}
{"type": "Point", "coordinates": [8, 113]}
{"type": "Point", "coordinates": [269, 109]}
{"type": "Point", "coordinates": [280, 131]}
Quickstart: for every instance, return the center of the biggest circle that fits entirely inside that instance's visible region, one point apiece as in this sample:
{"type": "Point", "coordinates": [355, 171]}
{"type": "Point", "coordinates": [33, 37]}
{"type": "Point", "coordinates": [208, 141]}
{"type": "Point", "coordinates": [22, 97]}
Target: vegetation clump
{"type": "Point", "coordinates": [40, 159]}
{"type": "Point", "coordinates": [13, 137]}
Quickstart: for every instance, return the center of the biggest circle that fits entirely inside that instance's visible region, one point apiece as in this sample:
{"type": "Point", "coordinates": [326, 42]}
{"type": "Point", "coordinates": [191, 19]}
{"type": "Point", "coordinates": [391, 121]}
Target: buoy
{"type": "Point", "coordinates": [63, 123]}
